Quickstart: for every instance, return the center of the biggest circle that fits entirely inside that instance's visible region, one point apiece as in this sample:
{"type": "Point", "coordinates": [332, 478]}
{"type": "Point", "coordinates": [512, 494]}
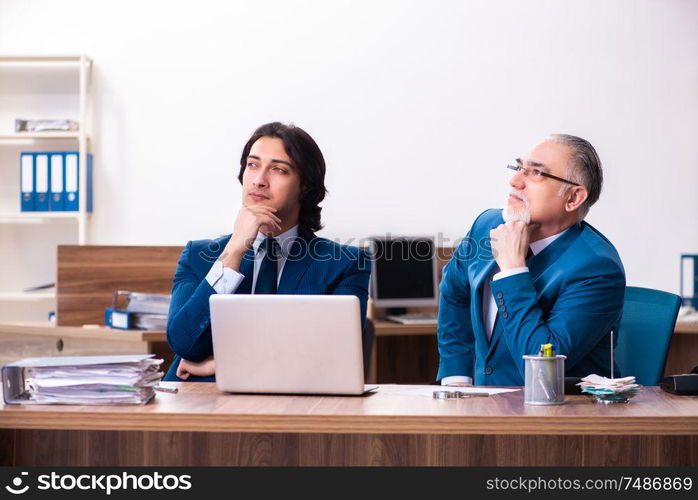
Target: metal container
{"type": "Point", "coordinates": [545, 380]}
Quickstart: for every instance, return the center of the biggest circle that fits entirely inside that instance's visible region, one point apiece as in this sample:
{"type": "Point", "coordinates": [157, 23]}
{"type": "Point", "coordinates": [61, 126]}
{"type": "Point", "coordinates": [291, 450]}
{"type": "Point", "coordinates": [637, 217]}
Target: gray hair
{"type": "Point", "coordinates": [584, 169]}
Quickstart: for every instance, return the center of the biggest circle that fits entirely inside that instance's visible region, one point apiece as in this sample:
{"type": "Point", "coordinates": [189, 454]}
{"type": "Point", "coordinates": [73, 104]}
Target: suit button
{"type": "Point", "coordinates": [500, 295]}
{"type": "Point", "coordinates": [501, 302]}
{"type": "Point", "coordinates": [505, 314]}
{"type": "Point", "coordinates": [488, 370]}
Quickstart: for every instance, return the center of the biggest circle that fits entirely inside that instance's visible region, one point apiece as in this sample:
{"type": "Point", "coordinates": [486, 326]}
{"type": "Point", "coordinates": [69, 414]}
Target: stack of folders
{"type": "Point", "coordinates": [50, 182]}
{"type": "Point", "coordinates": [82, 380]}
{"type": "Point", "coordinates": [142, 311]}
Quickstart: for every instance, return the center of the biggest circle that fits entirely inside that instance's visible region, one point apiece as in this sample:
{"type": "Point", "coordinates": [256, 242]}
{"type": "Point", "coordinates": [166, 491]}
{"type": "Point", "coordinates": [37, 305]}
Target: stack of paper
{"type": "Point", "coordinates": [92, 380]}
{"type": "Point", "coordinates": [148, 303]}
{"type": "Point", "coordinates": [598, 385]}
{"type": "Point", "coordinates": [143, 311]}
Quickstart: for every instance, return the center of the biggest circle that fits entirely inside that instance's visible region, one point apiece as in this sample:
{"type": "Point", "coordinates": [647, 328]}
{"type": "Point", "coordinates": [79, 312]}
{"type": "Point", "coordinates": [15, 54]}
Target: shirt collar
{"type": "Point", "coordinates": [285, 240]}
{"type": "Point", "coordinates": [538, 246]}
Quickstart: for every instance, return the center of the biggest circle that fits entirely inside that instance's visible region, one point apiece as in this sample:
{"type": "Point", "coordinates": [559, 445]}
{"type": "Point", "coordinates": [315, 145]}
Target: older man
{"type": "Point", "coordinates": [533, 273]}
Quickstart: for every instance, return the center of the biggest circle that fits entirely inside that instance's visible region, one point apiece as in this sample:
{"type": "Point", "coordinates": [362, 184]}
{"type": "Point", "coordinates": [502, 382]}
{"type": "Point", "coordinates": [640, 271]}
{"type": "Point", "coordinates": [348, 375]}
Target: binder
{"type": "Point", "coordinates": [117, 319]}
{"type": "Point", "coordinates": [26, 171]}
{"type": "Point", "coordinates": [72, 177]}
{"type": "Point", "coordinates": [57, 195]}
{"type": "Point", "coordinates": [71, 162]}
{"type": "Point", "coordinates": [41, 182]}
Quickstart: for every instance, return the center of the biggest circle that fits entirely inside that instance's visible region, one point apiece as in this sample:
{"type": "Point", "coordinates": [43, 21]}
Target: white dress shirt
{"type": "Point", "coordinates": [489, 307]}
{"type": "Point", "coordinates": [227, 280]}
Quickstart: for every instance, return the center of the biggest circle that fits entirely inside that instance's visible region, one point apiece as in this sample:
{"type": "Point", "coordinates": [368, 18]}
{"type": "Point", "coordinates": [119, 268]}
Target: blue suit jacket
{"type": "Point", "coordinates": [315, 266]}
{"type": "Point", "coordinates": [572, 296]}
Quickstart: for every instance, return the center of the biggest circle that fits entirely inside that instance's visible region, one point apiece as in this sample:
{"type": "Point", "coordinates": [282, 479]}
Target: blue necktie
{"type": "Point", "coordinates": [268, 270]}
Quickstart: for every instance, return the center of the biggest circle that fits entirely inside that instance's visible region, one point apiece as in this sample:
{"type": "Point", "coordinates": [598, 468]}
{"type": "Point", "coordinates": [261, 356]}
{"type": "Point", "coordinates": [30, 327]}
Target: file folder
{"type": "Point", "coordinates": [72, 201]}
{"type": "Point", "coordinates": [72, 181]}
{"type": "Point", "coordinates": [26, 171]}
{"type": "Point", "coordinates": [56, 198]}
{"type": "Point", "coordinates": [117, 319]}
{"type": "Point", "coordinates": [41, 182]}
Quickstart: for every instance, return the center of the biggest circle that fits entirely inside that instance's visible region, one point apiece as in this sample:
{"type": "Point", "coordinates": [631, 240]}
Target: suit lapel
{"type": "Point", "coordinates": [485, 268]}
{"type": "Point", "coordinates": [538, 264]}
{"type": "Point", "coordinates": [297, 262]}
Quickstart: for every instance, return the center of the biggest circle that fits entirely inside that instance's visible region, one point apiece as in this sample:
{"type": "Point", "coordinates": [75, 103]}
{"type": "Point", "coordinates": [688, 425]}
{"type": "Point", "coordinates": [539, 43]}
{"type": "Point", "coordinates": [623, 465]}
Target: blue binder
{"type": "Point", "coordinates": [57, 194]}
{"type": "Point", "coordinates": [42, 178]}
{"type": "Point", "coordinates": [72, 181]}
{"type": "Point", "coordinates": [26, 172]}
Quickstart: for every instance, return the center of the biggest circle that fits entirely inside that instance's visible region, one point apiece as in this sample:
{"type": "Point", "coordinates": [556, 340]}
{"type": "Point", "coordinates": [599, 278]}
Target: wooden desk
{"type": "Point", "coordinates": [202, 426]}
{"type": "Point", "coordinates": [682, 355]}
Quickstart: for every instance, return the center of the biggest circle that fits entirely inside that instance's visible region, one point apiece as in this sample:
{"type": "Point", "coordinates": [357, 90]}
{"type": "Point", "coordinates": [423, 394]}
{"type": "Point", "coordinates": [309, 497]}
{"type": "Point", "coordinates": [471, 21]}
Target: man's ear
{"type": "Point", "coordinates": [576, 196]}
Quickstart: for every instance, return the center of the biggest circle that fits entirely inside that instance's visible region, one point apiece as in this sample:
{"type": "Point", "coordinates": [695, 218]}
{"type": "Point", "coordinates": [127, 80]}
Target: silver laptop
{"type": "Point", "coordinates": [288, 344]}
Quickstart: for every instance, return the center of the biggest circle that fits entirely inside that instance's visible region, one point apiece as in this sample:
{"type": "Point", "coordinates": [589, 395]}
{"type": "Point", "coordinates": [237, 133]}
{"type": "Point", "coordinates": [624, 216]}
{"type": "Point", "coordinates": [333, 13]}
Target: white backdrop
{"type": "Point", "coordinates": [416, 105]}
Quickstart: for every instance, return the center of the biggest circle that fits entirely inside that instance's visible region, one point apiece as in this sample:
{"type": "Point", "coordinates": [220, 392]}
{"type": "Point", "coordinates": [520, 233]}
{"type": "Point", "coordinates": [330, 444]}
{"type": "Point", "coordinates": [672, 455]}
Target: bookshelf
{"type": "Point", "coordinates": [39, 86]}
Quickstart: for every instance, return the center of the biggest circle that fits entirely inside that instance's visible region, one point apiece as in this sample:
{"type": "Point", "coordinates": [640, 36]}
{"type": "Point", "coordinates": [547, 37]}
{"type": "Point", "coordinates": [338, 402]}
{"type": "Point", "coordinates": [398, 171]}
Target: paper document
{"type": "Point", "coordinates": [83, 380]}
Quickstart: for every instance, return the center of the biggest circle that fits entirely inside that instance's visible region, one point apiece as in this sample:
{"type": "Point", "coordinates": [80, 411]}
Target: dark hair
{"type": "Point", "coordinates": [307, 158]}
{"type": "Point", "coordinates": [585, 167]}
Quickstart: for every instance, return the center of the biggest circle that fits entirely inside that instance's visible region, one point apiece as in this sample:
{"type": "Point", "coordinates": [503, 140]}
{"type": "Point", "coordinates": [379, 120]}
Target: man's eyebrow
{"type": "Point", "coordinates": [536, 164]}
{"type": "Point", "coordinates": [273, 160]}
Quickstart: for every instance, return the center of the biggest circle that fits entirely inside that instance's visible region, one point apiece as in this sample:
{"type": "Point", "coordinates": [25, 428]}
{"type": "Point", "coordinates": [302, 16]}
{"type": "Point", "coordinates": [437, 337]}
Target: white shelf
{"type": "Point", "coordinates": [40, 135]}
{"type": "Point", "coordinates": [27, 296]}
{"type": "Point", "coordinates": [37, 217]}
{"type": "Point", "coordinates": [34, 136]}
{"type": "Point", "coordinates": [8, 59]}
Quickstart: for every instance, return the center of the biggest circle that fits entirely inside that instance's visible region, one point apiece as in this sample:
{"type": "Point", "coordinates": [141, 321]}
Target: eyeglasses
{"type": "Point", "coordinates": [537, 175]}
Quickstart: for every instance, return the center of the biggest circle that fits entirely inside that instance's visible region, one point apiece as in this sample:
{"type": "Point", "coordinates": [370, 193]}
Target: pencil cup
{"type": "Point", "coordinates": [545, 380]}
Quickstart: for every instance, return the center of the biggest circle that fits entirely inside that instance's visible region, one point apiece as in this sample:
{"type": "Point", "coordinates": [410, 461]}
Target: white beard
{"type": "Point", "coordinates": [511, 214]}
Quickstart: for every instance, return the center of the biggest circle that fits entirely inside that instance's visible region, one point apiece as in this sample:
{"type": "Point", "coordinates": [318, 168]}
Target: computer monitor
{"type": "Point", "coordinates": [404, 272]}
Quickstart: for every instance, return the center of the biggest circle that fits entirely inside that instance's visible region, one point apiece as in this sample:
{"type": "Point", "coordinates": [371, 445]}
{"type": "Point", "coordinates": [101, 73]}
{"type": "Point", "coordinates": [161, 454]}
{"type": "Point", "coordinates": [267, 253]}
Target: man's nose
{"type": "Point", "coordinates": [518, 180]}
{"type": "Point", "coordinates": [260, 180]}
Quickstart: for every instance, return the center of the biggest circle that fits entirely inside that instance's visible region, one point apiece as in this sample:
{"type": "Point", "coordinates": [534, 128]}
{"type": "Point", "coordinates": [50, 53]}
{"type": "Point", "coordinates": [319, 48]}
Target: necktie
{"type": "Point", "coordinates": [268, 270]}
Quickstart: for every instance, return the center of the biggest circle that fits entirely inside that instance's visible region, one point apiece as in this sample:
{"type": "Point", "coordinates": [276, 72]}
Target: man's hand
{"type": "Point", "coordinates": [510, 242]}
{"type": "Point", "coordinates": [247, 224]}
{"type": "Point", "coordinates": [205, 368]}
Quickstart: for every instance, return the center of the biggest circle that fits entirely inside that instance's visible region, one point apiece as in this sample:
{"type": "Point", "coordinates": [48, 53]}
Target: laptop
{"type": "Point", "coordinates": [288, 344]}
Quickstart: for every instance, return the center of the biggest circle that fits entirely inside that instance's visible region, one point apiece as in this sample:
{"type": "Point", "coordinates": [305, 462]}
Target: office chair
{"type": "Point", "coordinates": [645, 332]}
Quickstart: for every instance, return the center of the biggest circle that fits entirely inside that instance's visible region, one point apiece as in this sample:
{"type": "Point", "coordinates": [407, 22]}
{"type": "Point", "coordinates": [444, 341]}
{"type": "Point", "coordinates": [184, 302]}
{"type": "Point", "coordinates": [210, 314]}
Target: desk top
{"type": "Point", "coordinates": [391, 410]}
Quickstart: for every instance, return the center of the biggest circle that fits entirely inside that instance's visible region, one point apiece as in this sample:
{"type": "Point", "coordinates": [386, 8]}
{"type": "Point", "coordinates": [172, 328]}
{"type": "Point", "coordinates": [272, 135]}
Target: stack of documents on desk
{"type": "Point", "coordinates": [596, 384]}
{"type": "Point", "coordinates": [143, 311]}
{"type": "Point", "coordinates": [84, 380]}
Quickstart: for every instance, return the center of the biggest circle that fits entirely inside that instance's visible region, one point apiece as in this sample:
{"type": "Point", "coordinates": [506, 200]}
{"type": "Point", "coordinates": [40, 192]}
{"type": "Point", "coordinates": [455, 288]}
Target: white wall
{"type": "Point", "coordinates": [417, 106]}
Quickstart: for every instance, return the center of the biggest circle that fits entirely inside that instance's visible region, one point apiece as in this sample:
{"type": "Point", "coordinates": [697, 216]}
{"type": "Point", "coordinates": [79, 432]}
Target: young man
{"type": "Point", "coordinates": [273, 248]}
{"type": "Point", "coordinates": [532, 274]}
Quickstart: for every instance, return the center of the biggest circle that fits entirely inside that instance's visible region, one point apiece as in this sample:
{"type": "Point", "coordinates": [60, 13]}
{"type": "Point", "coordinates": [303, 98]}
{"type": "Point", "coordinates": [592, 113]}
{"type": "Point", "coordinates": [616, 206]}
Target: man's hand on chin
{"type": "Point", "coordinates": [510, 242]}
